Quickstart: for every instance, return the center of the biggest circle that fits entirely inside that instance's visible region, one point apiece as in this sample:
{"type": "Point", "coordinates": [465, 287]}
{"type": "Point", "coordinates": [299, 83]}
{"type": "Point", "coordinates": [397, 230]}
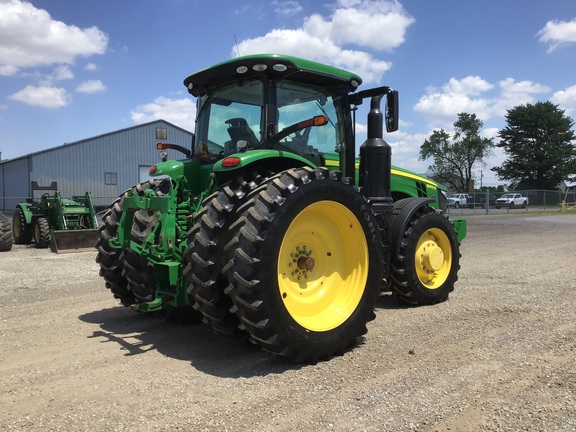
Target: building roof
{"type": "Point", "coordinates": [96, 137]}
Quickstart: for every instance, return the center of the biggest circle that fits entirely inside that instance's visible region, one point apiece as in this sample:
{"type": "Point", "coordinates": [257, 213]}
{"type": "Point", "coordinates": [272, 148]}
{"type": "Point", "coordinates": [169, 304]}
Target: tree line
{"type": "Point", "coordinates": [538, 141]}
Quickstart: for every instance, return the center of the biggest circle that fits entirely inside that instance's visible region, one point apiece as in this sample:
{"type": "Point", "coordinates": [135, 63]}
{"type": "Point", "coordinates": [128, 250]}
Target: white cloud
{"type": "Point", "coordinates": [91, 67]}
{"type": "Point", "coordinates": [441, 107]}
{"type": "Point", "coordinates": [362, 23]}
{"type": "Point", "coordinates": [91, 86]}
{"type": "Point", "coordinates": [45, 97]}
{"type": "Point", "coordinates": [286, 8]}
{"type": "Point", "coordinates": [352, 22]}
{"type": "Point", "coordinates": [8, 70]}
{"type": "Point", "coordinates": [566, 99]}
{"type": "Point", "coordinates": [181, 112]}
{"type": "Point", "coordinates": [62, 73]}
{"type": "Point", "coordinates": [557, 33]}
{"type": "Point", "coordinates": [30, 37]}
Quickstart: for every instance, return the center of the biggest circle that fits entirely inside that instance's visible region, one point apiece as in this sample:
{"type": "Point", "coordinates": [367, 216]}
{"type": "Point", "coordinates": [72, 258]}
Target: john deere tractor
{"type": "Point", "coordinates": [64, 224]}
{"type": "Point", "coordinates": [271, 229]}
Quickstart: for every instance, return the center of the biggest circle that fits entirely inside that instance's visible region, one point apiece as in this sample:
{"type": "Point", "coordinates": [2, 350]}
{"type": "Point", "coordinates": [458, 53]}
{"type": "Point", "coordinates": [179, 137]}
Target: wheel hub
{"type": "Point", "coordinates": [432, 256]}
{"type": "Point", "coordinates": [301, 263]}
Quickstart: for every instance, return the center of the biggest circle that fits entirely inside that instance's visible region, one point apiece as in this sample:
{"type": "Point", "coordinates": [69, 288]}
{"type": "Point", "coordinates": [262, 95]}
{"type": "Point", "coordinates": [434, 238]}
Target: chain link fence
{"type": "Point", "coordinates": [538, 201]}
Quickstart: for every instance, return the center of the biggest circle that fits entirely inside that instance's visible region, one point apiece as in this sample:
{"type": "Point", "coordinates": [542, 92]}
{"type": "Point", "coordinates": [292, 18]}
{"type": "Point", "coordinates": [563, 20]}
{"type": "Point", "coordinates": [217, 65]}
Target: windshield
{"type": "Point", "coordinates": [297, 103]}
{"type": "Point", "coordinates": [232, 119]}
{"type": "Point", "coordinates": [229, 115]}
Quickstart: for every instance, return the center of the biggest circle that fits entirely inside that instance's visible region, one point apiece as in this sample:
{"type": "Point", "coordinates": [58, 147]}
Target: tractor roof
{"type": "Point", "coordinates": [275, 66]}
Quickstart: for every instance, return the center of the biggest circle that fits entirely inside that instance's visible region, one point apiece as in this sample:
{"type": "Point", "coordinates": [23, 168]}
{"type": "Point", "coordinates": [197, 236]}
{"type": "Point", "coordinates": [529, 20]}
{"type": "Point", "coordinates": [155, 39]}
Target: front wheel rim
{"type": "Point", "coordinates": [16, 225]}
{"type": "Point", "coordinates": [323, 266]}
{"type": "Point", "coordinates": [433, 258]}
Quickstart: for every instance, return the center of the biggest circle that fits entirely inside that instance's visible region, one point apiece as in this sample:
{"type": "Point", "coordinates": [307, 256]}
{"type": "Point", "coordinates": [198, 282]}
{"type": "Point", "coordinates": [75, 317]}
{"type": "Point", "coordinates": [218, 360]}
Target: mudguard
{"type": "Point", "coordinates": [404, 209]}
{"type": "Point", "coordinates": [26, 211]}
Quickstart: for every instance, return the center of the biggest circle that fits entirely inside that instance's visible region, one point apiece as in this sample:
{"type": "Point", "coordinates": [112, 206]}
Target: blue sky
{"type": "Point", "coordinates": [73, 69]}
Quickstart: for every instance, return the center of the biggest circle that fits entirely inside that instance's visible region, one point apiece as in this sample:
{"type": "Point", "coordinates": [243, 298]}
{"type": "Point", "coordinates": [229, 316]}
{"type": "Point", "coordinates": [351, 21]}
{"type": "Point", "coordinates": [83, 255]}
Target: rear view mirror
{"type": "Point", "coordinates": [392, 111]}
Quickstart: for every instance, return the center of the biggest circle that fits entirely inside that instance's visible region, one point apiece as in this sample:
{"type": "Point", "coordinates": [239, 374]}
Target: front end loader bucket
{"type": "Point", "coordinates": [68, 241]}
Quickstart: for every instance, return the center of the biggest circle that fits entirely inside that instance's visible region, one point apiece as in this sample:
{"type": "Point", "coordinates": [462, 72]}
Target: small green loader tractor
{"type": "Point", "coordinates": [5, 233]}
{"type": "Point", "coordinates": [271, 229]}
{"type": "Point", "coordinates": [67, 225]}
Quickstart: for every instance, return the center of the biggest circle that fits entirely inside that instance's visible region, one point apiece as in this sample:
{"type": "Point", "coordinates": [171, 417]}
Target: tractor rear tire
{"type": "Point", "coordinates": [21, 230]}
{"type": "Point", "coordinates": [109, 257]}
{"type": "Point", "coordinates": [111, 266]}
{"type": "Point", "coordinates": [305, 264]}
{"type": "Point", "coordinates": [206, 258]}
{"type": "Point", "coordinates": [138, 271]}
{"type": "Point", "coordinates": [5, 233]}
{"type": "Point", "coordinates": [41, 233]}
{"type": "Point", "coordinates": [428, 261]}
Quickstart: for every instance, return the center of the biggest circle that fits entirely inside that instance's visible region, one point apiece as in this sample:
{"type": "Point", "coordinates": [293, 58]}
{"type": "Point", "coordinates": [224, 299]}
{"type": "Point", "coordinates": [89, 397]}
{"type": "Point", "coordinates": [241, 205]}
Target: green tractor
{"type": "Point", "coordinates": [271, 229]}
{"type": "Point", "coordinates": [66, 225]}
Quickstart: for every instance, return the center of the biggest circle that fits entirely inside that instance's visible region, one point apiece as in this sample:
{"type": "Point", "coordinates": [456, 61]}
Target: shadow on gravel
{"type": "Point", "coordinates": [207, 352]}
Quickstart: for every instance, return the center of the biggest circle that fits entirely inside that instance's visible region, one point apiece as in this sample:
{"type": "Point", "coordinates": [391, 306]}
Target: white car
{"type": "Point", "coordinates": [512, 200]}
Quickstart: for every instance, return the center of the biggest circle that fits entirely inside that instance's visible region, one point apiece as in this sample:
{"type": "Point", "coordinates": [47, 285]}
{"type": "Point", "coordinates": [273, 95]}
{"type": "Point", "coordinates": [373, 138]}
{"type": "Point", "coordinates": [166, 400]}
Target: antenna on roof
{"type": "Point", "coordinates": [236, 42]}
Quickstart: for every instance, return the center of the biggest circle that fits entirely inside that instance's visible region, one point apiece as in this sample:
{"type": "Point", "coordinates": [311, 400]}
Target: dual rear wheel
{"type": "Point", "coordinates": [301, 267]}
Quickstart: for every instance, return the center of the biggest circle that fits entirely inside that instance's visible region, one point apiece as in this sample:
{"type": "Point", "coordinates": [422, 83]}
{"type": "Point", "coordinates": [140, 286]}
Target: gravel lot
{"type": "Point", "coordinates": [498, 356]}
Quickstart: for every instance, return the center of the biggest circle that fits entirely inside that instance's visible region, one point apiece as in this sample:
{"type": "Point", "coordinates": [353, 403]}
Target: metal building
{"type": "Point", "coordinates": [104, 165]}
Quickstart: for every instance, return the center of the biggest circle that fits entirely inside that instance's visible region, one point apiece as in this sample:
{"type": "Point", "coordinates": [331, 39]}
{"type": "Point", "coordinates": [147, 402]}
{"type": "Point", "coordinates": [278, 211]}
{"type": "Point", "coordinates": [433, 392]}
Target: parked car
{"type": "Point", "coordinates": [460, 200]}
{"type": "Point", "coordinates": [512, 200]}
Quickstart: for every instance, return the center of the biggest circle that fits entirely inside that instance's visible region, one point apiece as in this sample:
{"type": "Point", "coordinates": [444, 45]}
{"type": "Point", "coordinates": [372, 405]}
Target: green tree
{"type": "Point", "coordinates": [539, 143]}
{"type": "Point", "coordinates": [454, 158]}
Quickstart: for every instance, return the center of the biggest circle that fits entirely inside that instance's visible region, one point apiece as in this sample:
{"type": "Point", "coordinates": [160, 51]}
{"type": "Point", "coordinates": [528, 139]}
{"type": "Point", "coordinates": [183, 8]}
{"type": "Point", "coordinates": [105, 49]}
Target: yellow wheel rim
{"type": "Point", "coordinates": [433, 258]}
{"type": "Point", "coordinates": [323, 266]}
{"type": "Point", "coordinates": [16, 225]}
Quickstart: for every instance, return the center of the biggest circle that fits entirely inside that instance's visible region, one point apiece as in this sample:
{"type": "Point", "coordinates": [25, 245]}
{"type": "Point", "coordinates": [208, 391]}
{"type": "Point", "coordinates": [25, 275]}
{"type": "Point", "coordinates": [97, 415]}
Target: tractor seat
{"type": "Point", "coordinates": [238, 129]}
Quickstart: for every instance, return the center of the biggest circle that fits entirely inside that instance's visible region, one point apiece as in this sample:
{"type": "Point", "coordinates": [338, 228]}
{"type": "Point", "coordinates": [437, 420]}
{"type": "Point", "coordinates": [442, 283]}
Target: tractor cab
{"type": "Point", "coordinates": [273, 102]}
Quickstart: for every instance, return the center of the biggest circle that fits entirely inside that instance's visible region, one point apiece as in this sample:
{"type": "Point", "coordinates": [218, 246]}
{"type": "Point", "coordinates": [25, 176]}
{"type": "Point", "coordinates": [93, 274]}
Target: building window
{"type": "Point", "coordinates": [111, 178]}
{"type": "Point", "coordinates": [161, 134]}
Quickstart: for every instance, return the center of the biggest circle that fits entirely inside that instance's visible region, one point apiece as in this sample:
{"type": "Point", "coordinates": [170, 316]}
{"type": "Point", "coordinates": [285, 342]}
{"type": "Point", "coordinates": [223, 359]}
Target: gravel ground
{"type": "Point", "coordinates": [498, 356]}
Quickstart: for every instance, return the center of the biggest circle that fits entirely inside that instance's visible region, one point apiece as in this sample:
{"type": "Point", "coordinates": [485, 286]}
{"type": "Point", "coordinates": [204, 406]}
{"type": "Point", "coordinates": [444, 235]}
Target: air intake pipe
{"type": "Point", "coordinates": [376, 161]}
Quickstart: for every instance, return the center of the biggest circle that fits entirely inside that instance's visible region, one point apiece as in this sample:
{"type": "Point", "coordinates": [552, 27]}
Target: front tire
{"type": "Point", "coordinates": [305, 265]}
{"type": "Point", "coordinates": [41, 233]}
{"type": "Point", "coordinates": [428, 261]}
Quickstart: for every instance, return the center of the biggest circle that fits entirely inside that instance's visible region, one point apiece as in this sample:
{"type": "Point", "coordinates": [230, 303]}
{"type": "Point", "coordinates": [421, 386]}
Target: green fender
{"type": "Point", "coordinates": [26, 211]}
{"type": "Point", "coordinates": [239, 161]}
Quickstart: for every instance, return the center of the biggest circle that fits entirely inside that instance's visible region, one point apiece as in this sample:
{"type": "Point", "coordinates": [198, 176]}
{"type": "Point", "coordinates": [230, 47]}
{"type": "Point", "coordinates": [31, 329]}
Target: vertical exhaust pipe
{"type": "Point", "coordinates": [375, 176]}
{"type": "Point", "coordinates": [376, 158]}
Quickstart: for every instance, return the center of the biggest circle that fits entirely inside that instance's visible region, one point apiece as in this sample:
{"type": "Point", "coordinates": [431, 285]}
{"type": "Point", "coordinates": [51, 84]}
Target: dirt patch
{"type": "Point", "coordinates": [499, 355]}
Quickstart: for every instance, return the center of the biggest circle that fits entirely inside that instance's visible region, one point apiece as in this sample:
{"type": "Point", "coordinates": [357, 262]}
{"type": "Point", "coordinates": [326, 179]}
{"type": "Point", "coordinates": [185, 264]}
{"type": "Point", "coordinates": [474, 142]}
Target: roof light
{"type": "Point", "coordinates": [190, 86]}
{"type": "Point", "coordinates": [162, 146]}
{"type": "Point", "coordinates": [260, 67]}
{"type": "Point", "coordinates": [230, 162]}
{"type": "Point", "coordinates": [354, 83]}
{"type": "Point", "coordinates": [279, 67]}
{"type": "Point", "coordinates": [241, 69]}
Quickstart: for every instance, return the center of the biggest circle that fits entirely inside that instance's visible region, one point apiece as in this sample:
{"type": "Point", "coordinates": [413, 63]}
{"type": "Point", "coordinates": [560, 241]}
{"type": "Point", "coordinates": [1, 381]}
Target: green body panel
{"type": "Point", "coordinates": [257, 156]}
